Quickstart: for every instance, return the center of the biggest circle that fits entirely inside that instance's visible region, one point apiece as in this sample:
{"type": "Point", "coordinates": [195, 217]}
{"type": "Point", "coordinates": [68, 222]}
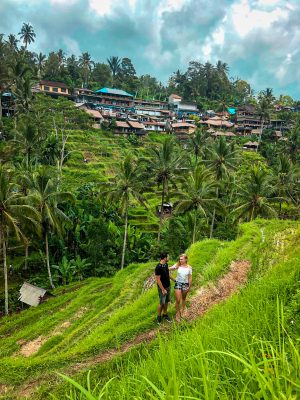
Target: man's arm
{"type": "Point", "coordinates": [158, 281]}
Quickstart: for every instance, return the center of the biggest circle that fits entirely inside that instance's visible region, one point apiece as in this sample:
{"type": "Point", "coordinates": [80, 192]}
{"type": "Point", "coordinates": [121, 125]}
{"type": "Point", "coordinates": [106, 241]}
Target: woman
{"type": "Point", "coordinates": [183, 283]}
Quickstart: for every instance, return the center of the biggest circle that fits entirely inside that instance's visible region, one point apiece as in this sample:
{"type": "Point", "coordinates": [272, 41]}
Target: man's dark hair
{"type": "Point", "coordinates": [163, 255]}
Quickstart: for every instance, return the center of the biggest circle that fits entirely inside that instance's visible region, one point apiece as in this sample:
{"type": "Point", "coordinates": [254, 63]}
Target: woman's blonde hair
{"type": "Point", "coordinates": [181, 255]}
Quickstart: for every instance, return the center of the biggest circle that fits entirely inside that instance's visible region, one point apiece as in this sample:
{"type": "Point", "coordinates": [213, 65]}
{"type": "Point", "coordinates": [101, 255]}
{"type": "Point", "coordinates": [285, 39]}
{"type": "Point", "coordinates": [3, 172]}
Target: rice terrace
{"type": "Point", "coordinates": [149, 200]}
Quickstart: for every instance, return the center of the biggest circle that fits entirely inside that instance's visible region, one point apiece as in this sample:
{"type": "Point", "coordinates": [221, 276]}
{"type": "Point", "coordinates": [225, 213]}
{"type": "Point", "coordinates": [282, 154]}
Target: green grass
{"type": "Point", "coordinates": [239, 350]}
{"type": "Point", "coordinates": [103, 313]}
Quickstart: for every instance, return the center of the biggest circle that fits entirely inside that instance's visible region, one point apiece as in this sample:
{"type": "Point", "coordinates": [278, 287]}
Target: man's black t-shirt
{"type": "Point", "coordinates": [162, 270]}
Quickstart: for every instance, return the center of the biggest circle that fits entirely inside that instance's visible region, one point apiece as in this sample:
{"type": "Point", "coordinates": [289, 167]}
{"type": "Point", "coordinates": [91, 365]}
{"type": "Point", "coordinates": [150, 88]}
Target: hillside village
{"type": "Point", "coordinates": [124, 114]}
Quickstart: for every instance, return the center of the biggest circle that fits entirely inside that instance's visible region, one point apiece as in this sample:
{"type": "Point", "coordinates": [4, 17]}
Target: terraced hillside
{"type": "Point", "coordinates": [86, 325]}
{"type": "Point", "coordinates": [93, 158]}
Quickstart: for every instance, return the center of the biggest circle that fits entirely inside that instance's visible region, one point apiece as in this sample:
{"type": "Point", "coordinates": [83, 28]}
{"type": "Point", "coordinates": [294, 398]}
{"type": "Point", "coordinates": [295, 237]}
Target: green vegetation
{"type": "Point", "coordinates": [87, 318]}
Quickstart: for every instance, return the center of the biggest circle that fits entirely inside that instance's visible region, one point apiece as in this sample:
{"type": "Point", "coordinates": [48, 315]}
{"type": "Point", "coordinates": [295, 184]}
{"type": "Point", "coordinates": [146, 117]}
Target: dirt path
{"type": "Point", "coordinates": [200, 302]}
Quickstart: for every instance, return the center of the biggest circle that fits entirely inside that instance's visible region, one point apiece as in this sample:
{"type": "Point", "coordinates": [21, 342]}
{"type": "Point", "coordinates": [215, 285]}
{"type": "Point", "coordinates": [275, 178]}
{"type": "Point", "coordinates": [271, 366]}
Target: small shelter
{"type": "Point", "coordinates": [32, 295]}
{"type": "Point", "coordinates": [167, 209]}
{"type": "Point", "coordinates": [251, 146]}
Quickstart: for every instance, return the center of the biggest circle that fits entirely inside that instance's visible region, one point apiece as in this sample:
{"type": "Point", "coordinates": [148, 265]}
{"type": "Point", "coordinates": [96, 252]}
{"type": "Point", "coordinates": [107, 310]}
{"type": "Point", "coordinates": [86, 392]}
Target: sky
{"type": "Point", "coordinates": [258, 39]}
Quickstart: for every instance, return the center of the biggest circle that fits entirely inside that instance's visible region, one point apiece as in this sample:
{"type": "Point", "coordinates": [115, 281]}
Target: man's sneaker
{"type": "Point", "coordinates": [167, 318]}
{"type": "Point", "coordinates": [159, 319]}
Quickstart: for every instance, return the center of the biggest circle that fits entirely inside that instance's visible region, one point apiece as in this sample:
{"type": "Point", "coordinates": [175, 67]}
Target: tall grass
{"type": "Point", "coordinates": [240, 350]}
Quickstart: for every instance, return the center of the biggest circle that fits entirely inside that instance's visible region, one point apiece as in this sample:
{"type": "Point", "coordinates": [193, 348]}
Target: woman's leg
{"type": "Point", "coordinates": [177, 296]}
{"type": "Point", "coordinates": [184, 294]}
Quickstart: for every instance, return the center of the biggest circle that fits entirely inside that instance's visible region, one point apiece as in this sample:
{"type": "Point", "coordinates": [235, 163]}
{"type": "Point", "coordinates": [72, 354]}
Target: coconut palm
{"type": "Point", "coordinates": [287, 176]}
{"type": "Point", "coordinates": [12, 42]}
{"type": "Point", "coordinates": [27, 34]}
{"type": "Point", "coordinates": [198, 195]}
{"type": "Point", "coordinates": [256, 195]}
{"type": "Point", "coordinates": [197, 143]}
{"type": "Point", "coordinates": [165, 164]}
{"type": "Point", "coordinates": [126, 186]}
{"type": "Point", "coordinates": [221, 160]}
{"type": "Point", "coordinates": [27, 139]}
{"type": "Point", "coordinates": [15, 213]}
{"type": "Point", "coordinates": [85, 63]}
{"type": "Point", "coordinates": [263, 109]}
{"type": "Point", "coordinates": [48, 198]}
{"type": "Point", "coordinates": [114, 64]}
{"type": "Point", "coordinates": [40, 63]}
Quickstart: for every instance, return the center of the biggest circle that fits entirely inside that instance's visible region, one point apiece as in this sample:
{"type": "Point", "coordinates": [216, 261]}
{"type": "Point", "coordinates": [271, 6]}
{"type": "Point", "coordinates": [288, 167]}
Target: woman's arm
{"type": "Point", "coordinates": [173, 267]}
{"type": "Point", "coordinates": [190, 278]}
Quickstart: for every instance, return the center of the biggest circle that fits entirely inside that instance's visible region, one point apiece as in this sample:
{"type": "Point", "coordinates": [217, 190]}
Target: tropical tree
{"type": "Point", "coordinates": [40, 63]}
{"type": "Point", "coordinates": [27, 139]}
{"type": "Point", "coordinates": [198, 195]}
{"type": "Point", "coordinates": [114, 64]}
{"type": "Point", "coordinates": [197, 142]}
{"type": "Point", "coordinates": [12, 42]}
{"type": "Point", "coordinates": [86, 63]}
{"type": "Point", "coordinates": [14, 214]}
{"type": "Point", "coordinates": [27, 34]}
{"type": "Point", "coordinates": [165, 163]}
{"type": "Point", "coordinates": [48, 199]}
{"type": "Point", "coordinates": [126, 186]}
{"type": "Point", "coordinates": [286, 181]}
{"type": "Point", "coordinates": [256, 196]}
{"type": "Point", "coordinates": [263, 109]}
{"type": "Point", "coordinates": [221, 160]}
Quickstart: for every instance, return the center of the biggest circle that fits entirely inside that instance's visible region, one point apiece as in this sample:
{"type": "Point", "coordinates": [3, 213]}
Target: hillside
{"type": "Point", "coordinates": [98, 316]}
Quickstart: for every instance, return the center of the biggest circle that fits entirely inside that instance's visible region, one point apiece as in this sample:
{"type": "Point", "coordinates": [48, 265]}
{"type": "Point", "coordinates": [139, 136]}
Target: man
{"type": "Point", "coordinates": [163, 285]}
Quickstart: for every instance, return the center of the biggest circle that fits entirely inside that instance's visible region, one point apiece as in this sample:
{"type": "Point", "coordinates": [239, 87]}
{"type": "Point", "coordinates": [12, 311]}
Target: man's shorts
{"type": "Point", "coordinates": [181, 286]}
{"type": "Point", "coordinates": [163, 299]}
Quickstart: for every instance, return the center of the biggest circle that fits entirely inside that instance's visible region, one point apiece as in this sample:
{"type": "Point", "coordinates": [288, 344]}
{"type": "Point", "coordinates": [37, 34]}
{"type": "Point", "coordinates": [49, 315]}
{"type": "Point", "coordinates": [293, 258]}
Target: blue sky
{"type": "Point", "coordinates": [259, 39]}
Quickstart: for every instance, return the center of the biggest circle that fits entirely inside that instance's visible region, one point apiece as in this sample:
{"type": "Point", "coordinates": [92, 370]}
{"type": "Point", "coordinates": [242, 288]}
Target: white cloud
{"type": "Point", "coordinates": [246, 19]}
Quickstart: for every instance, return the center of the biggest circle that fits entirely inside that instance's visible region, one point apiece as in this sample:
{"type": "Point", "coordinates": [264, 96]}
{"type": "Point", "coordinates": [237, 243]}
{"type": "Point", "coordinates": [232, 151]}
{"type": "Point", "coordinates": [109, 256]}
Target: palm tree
{"type": "Point", "coordinates": [198, 195]}
{"type": "Point", "coordinates": [126, 186]}
{"type": "Point", "coordinates": [114, 64]}
{"type": "Point", "coordinates": [12, 42]}
{"type": "Point", "coordinates": [40, 60]}
{"type": "Point", "coordinates": [263, 109]}
{"type": "Point", "coordinates": [197, 143]}
{"type": "Point", "coordinates": [27, 139]}
{"type": "Point", "coordinates": [13, 213]}
{"type": "Point", "coordinates": [86, 63]}
{"type": "Point", "coordinates": [48, 197]}
{"type": "Point", "coordinates": [165, 164]}
{"type": "Point", "coordinates": [287, 177]}
{"type": "Point", "coordinates": [221, 160]}
{"type": "Point", "coordinates": [256, 195]}
{"type": "Point", "coordinates": [27, 34]}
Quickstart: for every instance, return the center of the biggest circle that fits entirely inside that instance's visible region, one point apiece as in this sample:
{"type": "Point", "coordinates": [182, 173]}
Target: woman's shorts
{"type": "Point", "coordinates": [181, 286]}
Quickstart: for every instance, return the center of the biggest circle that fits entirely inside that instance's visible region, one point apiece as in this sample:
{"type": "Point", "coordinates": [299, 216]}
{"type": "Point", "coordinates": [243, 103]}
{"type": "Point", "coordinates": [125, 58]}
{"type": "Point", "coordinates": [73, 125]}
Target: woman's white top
{"type": "Point", "coordinates": [183, 274]}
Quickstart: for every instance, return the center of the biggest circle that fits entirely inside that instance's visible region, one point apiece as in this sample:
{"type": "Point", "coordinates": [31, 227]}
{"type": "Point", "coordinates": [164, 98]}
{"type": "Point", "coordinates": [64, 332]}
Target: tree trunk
{"type": "Point", "coordinates": [62, 152]}
{"type": "Point", "coordinates": [213, 217]}
{"type": "Point", "coordinates": [0, 107]}
{"type": "Point", "coordinates": [259, 138]}
{"type": "Point", "coordinates": [125, 238]}
{"type": "Point", "coordinates": [195, 225]}
{"type": "Point", "coordinates": [161, 210]}
{"type": "Point", "coordinates": [2, 241]}
{"type": "Point", "coordinates": [26, 257]}
{"type": "Point", "coordinates": [48, 262]}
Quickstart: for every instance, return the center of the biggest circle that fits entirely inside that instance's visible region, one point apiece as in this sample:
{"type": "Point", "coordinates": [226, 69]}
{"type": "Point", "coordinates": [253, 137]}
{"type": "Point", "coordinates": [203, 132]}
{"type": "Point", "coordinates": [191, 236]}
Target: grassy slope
{"type": "Point", "coordinates": [104, 313]}
{"type": "Point", "coordinates": [103, 152]}
{"type": "Point", "coordinates": [239, 350]}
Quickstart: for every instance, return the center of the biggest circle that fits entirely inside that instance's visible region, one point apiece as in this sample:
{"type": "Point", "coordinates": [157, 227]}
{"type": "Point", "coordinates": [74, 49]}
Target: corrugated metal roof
{"type": "Point", "coordinates": [31, 294]}
{"type": "Point", "coordinates": [136, 125]}
{"type": "Point", "coordinates": [94, 113]}
{"type": "Point", "coordinates": [122, 124]}
{"type": "Point", "coordinates": [113, 91]}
